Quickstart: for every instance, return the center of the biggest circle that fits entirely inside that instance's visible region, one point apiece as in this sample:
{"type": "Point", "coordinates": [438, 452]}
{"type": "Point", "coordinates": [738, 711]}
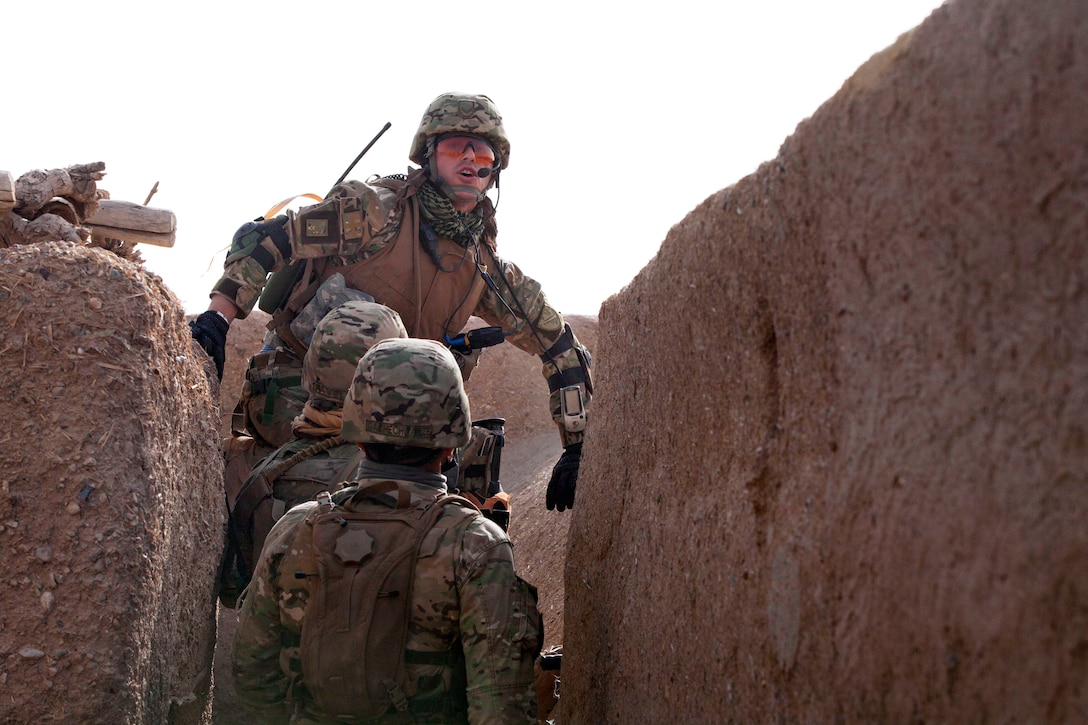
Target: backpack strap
{"type": "Point", "coordinates": [308, 452]}
{"type": "Point", "coordinates": [376, 488]}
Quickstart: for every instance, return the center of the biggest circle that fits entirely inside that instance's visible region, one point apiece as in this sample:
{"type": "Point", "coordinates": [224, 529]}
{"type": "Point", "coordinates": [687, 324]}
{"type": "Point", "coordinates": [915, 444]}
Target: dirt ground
{"type": "Point", "coordinates": [507, 384]}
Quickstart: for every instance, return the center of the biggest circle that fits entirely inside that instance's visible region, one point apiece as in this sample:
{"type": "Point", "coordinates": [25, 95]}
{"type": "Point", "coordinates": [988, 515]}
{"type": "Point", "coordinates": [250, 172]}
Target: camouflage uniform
{"type": "Point", "coordinates": [317, 459]}
{"type": "Point", "coordinates": [273, 394]}
{"type": "Point", "coordinates": [474, 631]}
{"type": "Point", "coordinates": [382, 208]}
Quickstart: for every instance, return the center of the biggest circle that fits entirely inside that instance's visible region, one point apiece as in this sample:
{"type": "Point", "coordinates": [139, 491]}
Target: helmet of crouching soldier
{"type": "Point", "coordinates": [461, 113]}
{"type": "Point", "coordinates": [408, 393]}
{"type": "Point", "coordinates": [340, 339]}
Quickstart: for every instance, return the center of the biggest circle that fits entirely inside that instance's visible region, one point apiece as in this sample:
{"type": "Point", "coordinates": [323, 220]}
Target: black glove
{"type": "Point", "coordinates": [210, 330]}
{"type": "Point", "coordinates": [564, 477]}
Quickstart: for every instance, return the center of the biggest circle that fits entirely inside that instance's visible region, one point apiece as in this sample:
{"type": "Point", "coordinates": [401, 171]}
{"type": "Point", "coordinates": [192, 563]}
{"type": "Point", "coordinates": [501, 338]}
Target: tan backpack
{"type": "Point", "coordinates": [356, 623]}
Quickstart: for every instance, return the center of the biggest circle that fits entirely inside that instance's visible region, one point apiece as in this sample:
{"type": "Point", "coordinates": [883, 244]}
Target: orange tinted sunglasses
{"type": "Point", "coordinates": [454, 148]}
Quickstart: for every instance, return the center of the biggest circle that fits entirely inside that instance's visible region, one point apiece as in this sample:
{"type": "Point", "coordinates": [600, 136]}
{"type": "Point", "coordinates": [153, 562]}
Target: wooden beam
{"type": "Point", "coordinates": [139, 218]}
{"type": "Point", "coordinates": [101, 233]}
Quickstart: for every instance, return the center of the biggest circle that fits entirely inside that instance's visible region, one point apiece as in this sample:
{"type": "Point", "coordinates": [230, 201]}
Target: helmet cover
{"type": "Point", "coordinates": [461, 113]}
{"type": "Point", "coordinates": [340, 339]}
{"type": "Point", "coordinates": [408, 392]}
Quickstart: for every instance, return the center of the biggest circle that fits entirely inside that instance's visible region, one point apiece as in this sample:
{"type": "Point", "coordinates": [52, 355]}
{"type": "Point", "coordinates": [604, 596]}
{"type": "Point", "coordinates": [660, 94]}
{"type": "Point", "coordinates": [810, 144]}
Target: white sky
{"type": "Point", "coordinates": [621, 120]}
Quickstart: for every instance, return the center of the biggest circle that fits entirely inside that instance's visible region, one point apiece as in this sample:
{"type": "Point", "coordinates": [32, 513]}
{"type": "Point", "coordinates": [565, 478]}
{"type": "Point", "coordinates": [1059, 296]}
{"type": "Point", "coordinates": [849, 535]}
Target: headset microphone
{"type": "Point", "coordinates": [484, 173]}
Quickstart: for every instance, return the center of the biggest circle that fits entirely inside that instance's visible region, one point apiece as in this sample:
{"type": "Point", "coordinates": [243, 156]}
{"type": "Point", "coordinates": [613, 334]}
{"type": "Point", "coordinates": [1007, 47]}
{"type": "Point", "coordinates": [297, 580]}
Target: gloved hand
{"type": "Point", "coordinates": [210, 330]}
{"type": "Point", "coordinates": [564, 477]}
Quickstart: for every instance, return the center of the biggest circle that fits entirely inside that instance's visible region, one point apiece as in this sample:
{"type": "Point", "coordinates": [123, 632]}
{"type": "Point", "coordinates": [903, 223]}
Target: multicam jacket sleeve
{"type": "Point", "coordinates": [251, 258]}
{"type": "Point", "coordinates": [518, 302]}
{"type": "Point", "coordinates": [270, 619]}
{"type": "Point", "coordinates": [499, 628]}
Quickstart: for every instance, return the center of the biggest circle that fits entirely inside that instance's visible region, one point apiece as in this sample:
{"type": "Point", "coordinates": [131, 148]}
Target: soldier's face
{"type": "Point", "coordinates": [458, 161]}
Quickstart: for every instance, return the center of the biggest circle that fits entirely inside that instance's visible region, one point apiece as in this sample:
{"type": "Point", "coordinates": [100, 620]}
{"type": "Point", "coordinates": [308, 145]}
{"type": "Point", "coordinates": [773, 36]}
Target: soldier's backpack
{"type": "Point", "coordinates": [356, 624]}
{"type": "Point", "coordinates": [252, 506]}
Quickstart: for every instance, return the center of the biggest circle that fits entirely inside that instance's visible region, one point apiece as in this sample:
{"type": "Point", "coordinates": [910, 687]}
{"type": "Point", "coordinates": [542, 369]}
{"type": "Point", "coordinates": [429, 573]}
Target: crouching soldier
{"type": "Point", "coordinates": [390, 600]}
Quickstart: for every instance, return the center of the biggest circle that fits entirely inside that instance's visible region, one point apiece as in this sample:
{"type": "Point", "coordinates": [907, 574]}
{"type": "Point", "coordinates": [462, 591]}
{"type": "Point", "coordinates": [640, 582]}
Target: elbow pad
{"type": "Point", "coordinates": [265, 241]}
{"type": "Point", "coordinates": [569, 374]}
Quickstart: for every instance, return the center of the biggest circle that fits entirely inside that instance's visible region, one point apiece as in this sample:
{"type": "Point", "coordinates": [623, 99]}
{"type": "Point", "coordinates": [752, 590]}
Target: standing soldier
{"type": "Point", "coordinates": [391, 599]}
{"type": "Point", "coordinates": [423, 244]}
{"type": "Point", "coordinates": [317, 458]}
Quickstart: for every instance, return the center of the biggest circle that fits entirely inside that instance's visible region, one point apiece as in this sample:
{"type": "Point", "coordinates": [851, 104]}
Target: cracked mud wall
{"type": "Point", "coordinates": [112, 509]}
{"type": "Point", "coordinates": [838, 462]}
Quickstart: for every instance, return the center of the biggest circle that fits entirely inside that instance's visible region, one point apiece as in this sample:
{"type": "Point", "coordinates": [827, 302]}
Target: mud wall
{"type": "Point", "coordinates": [111, 507]}
{"type": "Point", "coordinates": [851, 483]}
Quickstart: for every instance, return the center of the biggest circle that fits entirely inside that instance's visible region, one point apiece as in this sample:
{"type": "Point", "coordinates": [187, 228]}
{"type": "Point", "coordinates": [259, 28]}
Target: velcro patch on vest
{"type": "Point", "coordinates": [353, 225]}
{"type": "Point", "coordinates": [399, 431]}
{"type": "Point", "coordinates": [316, 228]}
{"type": "Point", "coordinates": [353, 546]}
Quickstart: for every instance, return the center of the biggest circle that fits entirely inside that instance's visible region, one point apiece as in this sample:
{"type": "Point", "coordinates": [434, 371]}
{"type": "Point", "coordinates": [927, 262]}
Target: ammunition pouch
{"type": "Point", "coordinates": [333, 228]}
{"type": "Point", "coordinates": [272, 396]}
{"type": "Point", "coordinates": [279, 285]}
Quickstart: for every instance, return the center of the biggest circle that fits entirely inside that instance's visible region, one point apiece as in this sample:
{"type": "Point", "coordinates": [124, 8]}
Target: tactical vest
{"type": "Point", "coordinates": [356, 625]}
{"type": "Point", "coordinates": [432, 300]}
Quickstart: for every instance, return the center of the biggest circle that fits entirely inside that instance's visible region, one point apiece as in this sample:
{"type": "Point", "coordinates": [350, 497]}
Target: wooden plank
{"type": "Point", "coordinates": [100, 233]}
{"type": "Point", "coordinates": [139, 218]}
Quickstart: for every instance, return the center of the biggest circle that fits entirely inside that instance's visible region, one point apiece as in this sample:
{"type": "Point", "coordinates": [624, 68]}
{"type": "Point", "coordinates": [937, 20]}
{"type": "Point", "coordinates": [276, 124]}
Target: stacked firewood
{"type": "Point", "coordinates": [67, 205]}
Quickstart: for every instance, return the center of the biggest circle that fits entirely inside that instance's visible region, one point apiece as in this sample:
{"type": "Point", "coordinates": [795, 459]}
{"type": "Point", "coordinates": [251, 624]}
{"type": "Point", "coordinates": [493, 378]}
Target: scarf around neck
{"type": "Point", "coordinates": [314, 422]}
{"type": "Point", "coordinates": [464, 228]}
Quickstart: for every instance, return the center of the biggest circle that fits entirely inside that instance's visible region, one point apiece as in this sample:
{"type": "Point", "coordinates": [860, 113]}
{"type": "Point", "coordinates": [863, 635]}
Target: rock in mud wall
{"type": "Point", "coordinates": [850, 483]}
{"type": "Point", "coordinates": [112, 505]}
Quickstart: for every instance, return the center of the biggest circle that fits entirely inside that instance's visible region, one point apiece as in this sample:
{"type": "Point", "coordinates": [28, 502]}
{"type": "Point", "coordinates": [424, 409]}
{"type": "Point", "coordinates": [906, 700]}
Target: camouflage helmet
{"type": "Point", "coordinates": [340, 339]}
{"type": "Point", "coordinates": [408, 393]}
{"type": "Point", "coordinates": [461, 113]}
